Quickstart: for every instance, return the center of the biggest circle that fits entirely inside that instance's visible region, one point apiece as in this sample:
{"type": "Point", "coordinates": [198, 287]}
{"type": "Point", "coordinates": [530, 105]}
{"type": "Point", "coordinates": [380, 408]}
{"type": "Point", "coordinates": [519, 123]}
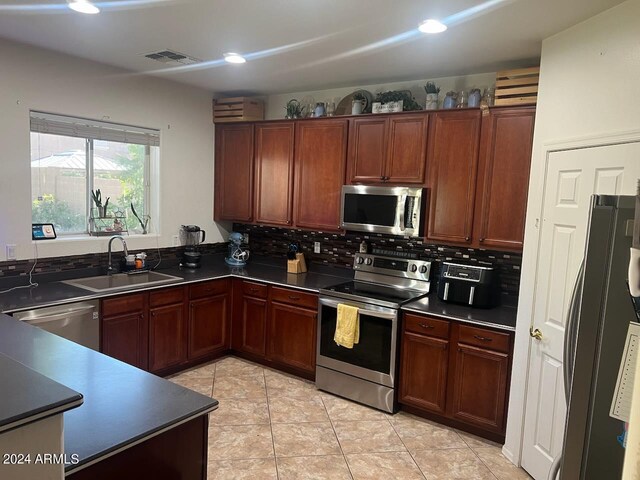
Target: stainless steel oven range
{"type": "Point", "coordinates": [383, 282]}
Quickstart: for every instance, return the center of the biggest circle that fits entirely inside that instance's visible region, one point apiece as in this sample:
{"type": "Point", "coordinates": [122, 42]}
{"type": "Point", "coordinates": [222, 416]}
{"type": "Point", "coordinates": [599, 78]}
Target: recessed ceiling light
{"type": "Point", "coordinates": [234, 58]}
{"type": "Point", "coordinates": [84, 6]}
{"type": "Point", "coordinates": [432, 26]}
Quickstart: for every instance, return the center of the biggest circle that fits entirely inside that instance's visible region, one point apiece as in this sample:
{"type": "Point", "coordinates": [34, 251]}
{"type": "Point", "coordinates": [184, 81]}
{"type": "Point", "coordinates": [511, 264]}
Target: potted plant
{"type": "Point", "coordinates": [357, 104]}
{"type": "Point", "coordinates": [293, 109]}
{"type": "Point", "coordinates": [432, 96]}
{"type": "Point", "coordinates": [398, 100]}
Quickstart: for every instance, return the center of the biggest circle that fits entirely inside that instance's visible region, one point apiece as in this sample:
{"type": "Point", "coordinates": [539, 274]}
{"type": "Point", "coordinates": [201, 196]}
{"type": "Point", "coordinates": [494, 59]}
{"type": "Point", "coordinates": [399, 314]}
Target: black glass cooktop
{"type": "Point", "coordinates": [373, 293]}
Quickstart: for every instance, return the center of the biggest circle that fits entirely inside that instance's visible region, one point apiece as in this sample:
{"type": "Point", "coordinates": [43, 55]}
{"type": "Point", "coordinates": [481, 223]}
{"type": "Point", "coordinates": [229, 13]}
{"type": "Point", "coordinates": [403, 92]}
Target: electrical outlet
{"type": "Point", "coordinates": [176, 241]}
{"type": "Point", "coordinates": [11, 252]}
{"type": "Point", "coordinates": [316, 247]}
{"type": "Point", "coordinates": [245, 238]}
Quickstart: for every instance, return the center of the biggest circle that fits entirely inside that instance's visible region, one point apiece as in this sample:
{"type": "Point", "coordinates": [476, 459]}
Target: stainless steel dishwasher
{"type": "Point", "coordinates": [78, 322]}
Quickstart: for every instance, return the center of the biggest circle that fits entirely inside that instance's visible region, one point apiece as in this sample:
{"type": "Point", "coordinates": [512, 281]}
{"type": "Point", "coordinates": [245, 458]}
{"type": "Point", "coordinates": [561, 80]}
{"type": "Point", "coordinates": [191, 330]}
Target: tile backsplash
{"type": "Point", "coordinates": [338, 250]}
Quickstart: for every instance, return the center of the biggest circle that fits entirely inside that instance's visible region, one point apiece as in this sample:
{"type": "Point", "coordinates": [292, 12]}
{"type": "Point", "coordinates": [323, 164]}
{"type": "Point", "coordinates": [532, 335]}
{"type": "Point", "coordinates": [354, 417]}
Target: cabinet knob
{"type": "Point", "coordinates": [294, 297]}
{"type": "Point", "coordinates": [382, 177]}
{"type": "Point", "coordinates": [481, 240]}
{"type": "Point", "coordinates": [424, 325]}
{"type": "Point", "coordinates": [467, 239]}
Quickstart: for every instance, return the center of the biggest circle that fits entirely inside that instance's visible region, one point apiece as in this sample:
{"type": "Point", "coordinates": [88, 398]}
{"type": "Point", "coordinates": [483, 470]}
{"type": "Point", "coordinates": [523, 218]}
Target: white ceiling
{"type": "Point", "coordinates": [305, 44]}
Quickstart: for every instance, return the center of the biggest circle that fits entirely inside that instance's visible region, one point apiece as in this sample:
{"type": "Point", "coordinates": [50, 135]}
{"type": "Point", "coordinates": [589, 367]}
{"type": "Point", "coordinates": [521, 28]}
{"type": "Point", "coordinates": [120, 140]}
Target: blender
{"type": "Point", "coordinates": [191, 236]}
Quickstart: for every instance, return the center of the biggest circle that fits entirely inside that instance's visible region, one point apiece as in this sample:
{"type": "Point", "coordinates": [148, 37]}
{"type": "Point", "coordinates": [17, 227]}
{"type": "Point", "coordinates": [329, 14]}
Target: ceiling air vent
{"type": "Point", "coordinates": [169, 57]}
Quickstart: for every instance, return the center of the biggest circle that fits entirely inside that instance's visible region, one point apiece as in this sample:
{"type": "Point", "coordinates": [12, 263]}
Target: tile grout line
{"type": "Point", "coordinates": [273, 440]}
{"type": "Point", "coordinates": [344, 457]}
{"type": "Point", "coordinates": [407, 448]}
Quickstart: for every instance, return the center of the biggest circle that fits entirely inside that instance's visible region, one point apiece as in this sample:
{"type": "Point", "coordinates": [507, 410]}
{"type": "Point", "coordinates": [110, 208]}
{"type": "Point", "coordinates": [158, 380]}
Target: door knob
{"type": "Point", "coordinates": [537, 334]}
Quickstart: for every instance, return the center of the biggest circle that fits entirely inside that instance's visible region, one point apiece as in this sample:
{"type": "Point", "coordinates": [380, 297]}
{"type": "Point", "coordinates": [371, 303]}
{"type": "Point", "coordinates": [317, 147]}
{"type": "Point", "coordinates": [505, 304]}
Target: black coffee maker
{"type": "Point", "coordinates": [191, 236]}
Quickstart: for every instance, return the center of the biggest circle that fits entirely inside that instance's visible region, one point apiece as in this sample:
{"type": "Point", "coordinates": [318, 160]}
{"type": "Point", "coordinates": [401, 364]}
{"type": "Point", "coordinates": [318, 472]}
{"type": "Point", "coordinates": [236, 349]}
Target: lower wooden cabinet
{"type": "Point", "coordinates": [124, 329]}
{"type": "Point", "coordinates": [458, 373]}
{"type": "Point", "coordinates": [479, 388]}
{"type": "Point", "coordinates": [253, 326]}
{"type": "Point", "coordinates": [423, 378]}
{"type": "Point", "coordinates": [208, 325]}
{"type": "Point", "coordinates": [167, 333]}
{"type": "Point", "coordinates": [292, 336]}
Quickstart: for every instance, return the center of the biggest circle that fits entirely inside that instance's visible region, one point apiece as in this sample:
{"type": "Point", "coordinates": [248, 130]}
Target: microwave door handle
{"type": "Point", "coordinates": [402, 206]}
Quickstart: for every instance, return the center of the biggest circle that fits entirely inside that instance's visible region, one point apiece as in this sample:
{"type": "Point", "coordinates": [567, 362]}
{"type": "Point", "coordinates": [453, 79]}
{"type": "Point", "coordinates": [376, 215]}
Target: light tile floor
{"type": "Point", "coordinates": [270, 425]}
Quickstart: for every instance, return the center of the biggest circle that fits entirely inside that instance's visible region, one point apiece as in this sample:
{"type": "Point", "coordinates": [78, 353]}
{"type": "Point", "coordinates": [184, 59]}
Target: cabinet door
{"type": "Point", "coordinates": [406, 159]}
{"type": "Point", "coordinates": [452, 163]}
{"type": "Point", "coordinates": [292, 336]}
{"type": "Point", "coordinates": [480, 386]}
{"type": "Point", "coordinates": [124, 337]}
{"type": "Point", "coordinates": [320, 161]}
{"type": "Point", "coordinates": [274, 173]}
{"type": "Point", "coordinates": [424, 365]}
{"type": "Point", "coordinates": [367, 149]}
{"type": "Point", "coordinates": [167, 337]}
{"type": "Point", "coordinates": [234, 172]}
{"type": "Point", "coordinates": [507, 137]}
{"type": "Point", "coordinates": [254, 326]}
{"type": "Point", "coordinates": [208, 325]}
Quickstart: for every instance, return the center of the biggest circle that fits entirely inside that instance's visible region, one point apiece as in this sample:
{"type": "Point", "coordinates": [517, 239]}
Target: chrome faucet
{"type": "Point", "coordinates": [124, 246]}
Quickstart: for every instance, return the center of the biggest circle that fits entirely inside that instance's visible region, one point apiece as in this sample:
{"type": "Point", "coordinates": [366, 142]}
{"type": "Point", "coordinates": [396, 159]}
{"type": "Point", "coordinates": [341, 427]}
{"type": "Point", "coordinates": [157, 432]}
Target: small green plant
{"type": "Point", "coordinates": [358, 96]}
{"type": "Point", "coordinates": [293, 109]}
{"type": "Point", "coordinates": [430, 87]}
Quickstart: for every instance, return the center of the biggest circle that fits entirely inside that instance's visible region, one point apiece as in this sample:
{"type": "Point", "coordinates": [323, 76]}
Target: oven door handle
{"type": "Point", "coordinates": [387, 313]}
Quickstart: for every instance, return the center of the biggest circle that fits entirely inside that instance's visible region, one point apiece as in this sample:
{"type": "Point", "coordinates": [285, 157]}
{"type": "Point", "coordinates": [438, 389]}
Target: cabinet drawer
{"type": "Point", "coordinates": [484, 338]}
{"type": "Point", "coordinates": [253, 289]}
{"type": "Point", "coordinates": [426, 326]}
{"type": "Point", "coordinates": [207, 289]}
{"type": "Point", "coordinates": [166, 296]}
{"type": "Point", "coordinates": [294, 297]}
{"type": "Point", "coordinates": [125, 304]}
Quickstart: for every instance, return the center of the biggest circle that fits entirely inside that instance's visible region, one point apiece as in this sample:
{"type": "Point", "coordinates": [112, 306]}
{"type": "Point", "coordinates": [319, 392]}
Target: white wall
{"type": "Point", "coordinates": [588, 92]}
{"type": "Point", "coordinates": [37, 79]}
{"type": "Point", "coordinates": [275, 104]}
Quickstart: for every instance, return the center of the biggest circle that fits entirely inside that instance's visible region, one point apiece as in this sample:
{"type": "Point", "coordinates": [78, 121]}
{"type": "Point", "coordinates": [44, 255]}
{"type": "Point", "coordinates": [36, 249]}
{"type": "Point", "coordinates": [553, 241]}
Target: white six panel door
{"type": "Point", "coordinates": [572, 177]}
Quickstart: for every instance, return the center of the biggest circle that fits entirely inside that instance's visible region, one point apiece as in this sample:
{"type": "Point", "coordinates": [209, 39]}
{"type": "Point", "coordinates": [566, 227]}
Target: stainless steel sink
{"type": "Point", "coordinates": [122, 281]}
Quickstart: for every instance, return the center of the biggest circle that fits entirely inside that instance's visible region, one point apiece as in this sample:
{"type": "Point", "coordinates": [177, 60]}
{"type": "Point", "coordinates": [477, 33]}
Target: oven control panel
{"type": "Point", "coordinates": [400, 267]}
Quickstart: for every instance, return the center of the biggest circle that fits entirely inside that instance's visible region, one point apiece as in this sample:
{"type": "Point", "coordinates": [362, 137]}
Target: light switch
{"type": "Point", "coordinates": [11, 252]}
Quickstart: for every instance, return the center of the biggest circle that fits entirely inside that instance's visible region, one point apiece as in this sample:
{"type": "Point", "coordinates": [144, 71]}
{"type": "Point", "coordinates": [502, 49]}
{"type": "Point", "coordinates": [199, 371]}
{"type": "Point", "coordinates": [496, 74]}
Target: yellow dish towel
{"type": "Point", "coordinates": [347, 326]}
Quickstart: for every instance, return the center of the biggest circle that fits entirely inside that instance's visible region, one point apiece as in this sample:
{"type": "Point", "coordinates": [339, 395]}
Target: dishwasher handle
{"type": "Point", "coordinates": [46, 318]}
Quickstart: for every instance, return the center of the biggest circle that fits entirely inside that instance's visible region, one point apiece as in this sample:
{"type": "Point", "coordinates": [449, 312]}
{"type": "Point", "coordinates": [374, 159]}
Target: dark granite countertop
{"type": "Point", "coordinates": [122, 404]}
{"type": "Point", "coordinates": [265, 270]}
{"type": "Point", "coordinates": [29, 396]}
{"type": "Point", "coordinates": [502, 317]}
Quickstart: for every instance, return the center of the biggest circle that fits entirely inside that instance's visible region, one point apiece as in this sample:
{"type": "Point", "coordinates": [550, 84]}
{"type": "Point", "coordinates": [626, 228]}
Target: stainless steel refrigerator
{"type": "Point", "coordinates": [599, 315]}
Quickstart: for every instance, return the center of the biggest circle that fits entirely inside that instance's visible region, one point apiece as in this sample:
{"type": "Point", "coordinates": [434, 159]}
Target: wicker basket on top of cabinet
{"type": "Point", "coordinates": [237, 109]}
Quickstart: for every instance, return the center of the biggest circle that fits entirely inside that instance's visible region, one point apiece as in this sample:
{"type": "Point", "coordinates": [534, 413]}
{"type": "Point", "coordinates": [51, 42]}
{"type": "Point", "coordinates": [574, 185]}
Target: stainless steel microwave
{"type": "Point", "coordinates": [392, 210]}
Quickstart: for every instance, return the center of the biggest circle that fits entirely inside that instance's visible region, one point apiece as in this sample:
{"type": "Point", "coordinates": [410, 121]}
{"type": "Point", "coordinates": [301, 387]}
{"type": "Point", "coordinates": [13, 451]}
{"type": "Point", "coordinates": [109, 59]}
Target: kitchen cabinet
{"type": "Point", "coordinates": [389, 149]}
{"type": "Point", "coordinates": [274, 173]}
{"type": "Point", "coordinates": [209, 318]}
{"type": "Point", "coordinates": [124, 329]}
{"type": "Point", "coordinates": [478, 167]}
{"type": "Point", "coordinates": [503, 177]}
{"type": "Point", "coordinates": [456, 373]}
{"type": "Point", "coordinates": [425, 361]}
{"type": "Point", "coordinates": [234, 169]}
{"type": "Point", "coordinates": [250, 319]}
{"type": "Point", "coordinates": [167, 330]}
{"type": "Point", "coordinates": [453, 165]}
{"type": "Point", "coordinates": [292, 329]}
{"type": "Point", "coordinates": [320, 163]}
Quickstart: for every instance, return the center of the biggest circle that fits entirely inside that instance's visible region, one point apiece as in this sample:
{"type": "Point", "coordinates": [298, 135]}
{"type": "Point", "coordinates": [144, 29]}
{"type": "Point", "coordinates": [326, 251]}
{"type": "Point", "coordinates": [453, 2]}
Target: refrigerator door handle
{"type": "Point", "coordinates": [571, 330]}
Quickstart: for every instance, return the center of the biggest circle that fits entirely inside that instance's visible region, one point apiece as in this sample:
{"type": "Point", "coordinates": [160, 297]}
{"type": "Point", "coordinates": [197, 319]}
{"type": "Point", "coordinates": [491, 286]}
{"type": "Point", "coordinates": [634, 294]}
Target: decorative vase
{"type": "Point", "coordinates": [474, 98]}
{"type": "Point", "coordinates": [319, 110]}
{"type": "Point", "coordinates": [432, 101]}
{"type": "Point", "coordinates": [356, 107]}
{"type": "Point", "coordinates": [449, 102]}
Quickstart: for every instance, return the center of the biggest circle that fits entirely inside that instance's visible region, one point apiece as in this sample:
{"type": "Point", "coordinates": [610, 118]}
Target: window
{"type": "Point", "coordinates": [72, 159]}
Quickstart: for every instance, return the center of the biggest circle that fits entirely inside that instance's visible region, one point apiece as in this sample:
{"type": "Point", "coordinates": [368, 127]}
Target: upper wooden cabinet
{"type": "Point", "coordinates": [320, 161]}
{"type": "Point", "coordinates": [503, 177]}
{"type": "Point", "coordinates": [389, 149]}
{"type": "Point", "coordinates": [478, 171]}
{"type": "Point", "coordinates": [453, 167]}
{"type": "Point", "coordinates": [274, 173]}
{"type": "Point", "coordinates": [234, 172]}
